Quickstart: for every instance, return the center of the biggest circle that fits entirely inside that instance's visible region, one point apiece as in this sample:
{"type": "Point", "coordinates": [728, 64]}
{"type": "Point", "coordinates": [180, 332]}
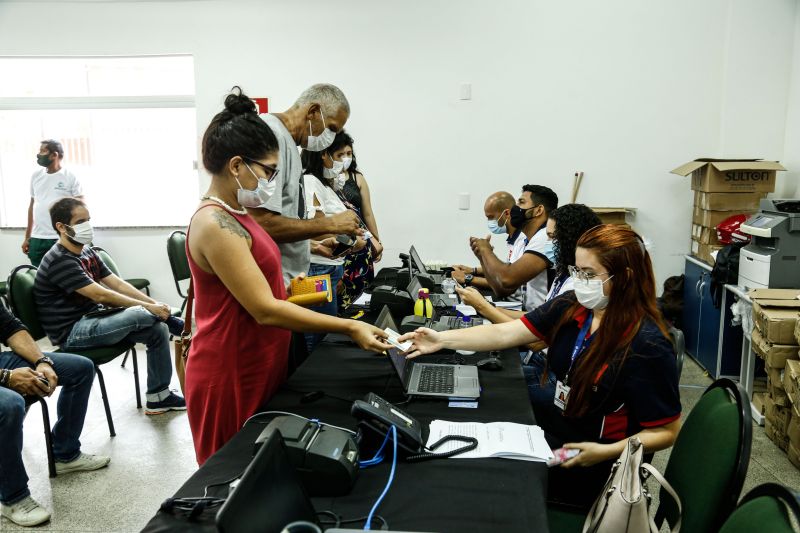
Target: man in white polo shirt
{"type": "Point", "coordinates": [532, 258]}
{"type": "Point", "coordinates": [48, 185]}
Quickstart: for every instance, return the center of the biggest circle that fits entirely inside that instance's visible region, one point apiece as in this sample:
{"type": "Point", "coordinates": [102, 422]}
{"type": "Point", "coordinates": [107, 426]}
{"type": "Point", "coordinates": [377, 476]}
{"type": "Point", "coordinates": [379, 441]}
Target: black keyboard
{"type": "Point", "coordinates": [437, 379]}
{"type": "Point", "coordinates": [456, 322]}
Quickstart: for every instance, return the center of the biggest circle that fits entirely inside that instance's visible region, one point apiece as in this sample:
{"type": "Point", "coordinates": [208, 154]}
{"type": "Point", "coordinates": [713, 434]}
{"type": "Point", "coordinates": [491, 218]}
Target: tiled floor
{"type": "Point", "coordinates": [153, 456]}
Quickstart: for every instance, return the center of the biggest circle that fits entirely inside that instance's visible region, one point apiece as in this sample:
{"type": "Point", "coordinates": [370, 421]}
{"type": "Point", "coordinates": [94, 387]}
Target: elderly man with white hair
{"type": "Point", "coordinates": [312, 123]}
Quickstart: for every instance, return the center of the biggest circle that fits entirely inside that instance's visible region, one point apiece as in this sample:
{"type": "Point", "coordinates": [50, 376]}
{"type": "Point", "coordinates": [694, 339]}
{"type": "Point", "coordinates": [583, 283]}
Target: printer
{"type": "Point", "coordinates": [771, 258]}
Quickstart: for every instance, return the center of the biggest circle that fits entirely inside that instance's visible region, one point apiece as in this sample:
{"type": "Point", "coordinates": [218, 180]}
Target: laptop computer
{"type": "Point", "coordinates": [420, 266]}
{"type": "Point", "coordinates": [437, 300]}
{"type": "Point", "coordinates": [430, 379]}
{"type": "Point", "coordinates": [269, 494]}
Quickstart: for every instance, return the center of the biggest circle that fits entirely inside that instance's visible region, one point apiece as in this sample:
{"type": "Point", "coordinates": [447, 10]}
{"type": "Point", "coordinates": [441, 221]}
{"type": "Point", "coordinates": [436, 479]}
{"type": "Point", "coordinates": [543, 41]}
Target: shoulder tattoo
{"type": "Point", "coordinates": [226, 221]}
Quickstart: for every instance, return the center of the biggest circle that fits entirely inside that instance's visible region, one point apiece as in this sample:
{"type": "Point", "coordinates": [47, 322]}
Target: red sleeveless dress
{"type": "Point", "coordinates": [235, 365]}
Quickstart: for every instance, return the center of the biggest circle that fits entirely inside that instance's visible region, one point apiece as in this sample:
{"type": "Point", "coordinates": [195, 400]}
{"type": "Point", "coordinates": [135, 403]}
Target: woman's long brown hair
{"type": "Point", "coordinates": [632, 299]}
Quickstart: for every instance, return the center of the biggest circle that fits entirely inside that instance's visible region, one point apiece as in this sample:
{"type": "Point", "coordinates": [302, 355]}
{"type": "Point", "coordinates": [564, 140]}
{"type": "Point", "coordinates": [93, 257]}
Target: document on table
{"type": "Point", "coordinates": [516, 306]}
{"type": "Point", "coordinates": [466, 310]}
{"type": "Point", "coordinates": [495, 439]}
{"type": "Point", "coordinates": [364, 299]}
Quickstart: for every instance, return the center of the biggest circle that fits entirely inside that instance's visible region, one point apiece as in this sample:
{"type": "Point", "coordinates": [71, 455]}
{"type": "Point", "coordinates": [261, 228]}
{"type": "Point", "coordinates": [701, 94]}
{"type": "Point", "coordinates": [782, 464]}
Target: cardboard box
{"type": "Point", "coordinates": [705, 252]}
{"type": "Point", "coordinates": [704, 235]}
{"type": "Point", "coordinates": [779, 438]}
{"type": "Point", "coordinates": [779, 416]}
{"type": "Point", "coordinates": [711, 219]}
{"type": "Point", "coordinates": [775, 313]}
{"type": "Point", "coordinates": [776, 396]}
{"type": "Point", "coordinates": [731, 175]}
{"type": "Point", "coordinates": [775, 377]}
{"type": "Point", "coordinates": [728, 201]}
{"type": "Point", "coordinates": [793, 431]}
{"type": "Point", "coordinates": [791, 382]}
{"type": "Point", "coordinates": [797, 332]}
{"type": "Point", "coordinates": [613, 215]}
{"type": "Point", "coordinates": [774, 355]}
{"type": "Point", "coordinates": [794, 455]}
{"type": "Point", "coordinates": [759, 401]}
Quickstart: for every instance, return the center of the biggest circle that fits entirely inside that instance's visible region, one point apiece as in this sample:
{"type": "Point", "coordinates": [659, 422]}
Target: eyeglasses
{"type": "Point", "coordinates": [584, 277]}
{"type": "Point", "coordinates": [269, 171]}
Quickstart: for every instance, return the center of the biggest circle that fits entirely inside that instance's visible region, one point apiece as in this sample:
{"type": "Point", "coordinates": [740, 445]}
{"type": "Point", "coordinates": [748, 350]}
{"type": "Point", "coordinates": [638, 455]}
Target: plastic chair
{"type": "Point", "coordinates": [140, 284]}
{"type": "Point", "coordinates": [715, 439]}
{"type": "Point", "coordinates": [679, 342]}
{"type": "Point", "coordinates": [178, 262]}
{"type": "Point", "coordinates": [769, 507]}
{"type": "Point", "coordinates": [48, 434]}
{"type": "Point", "coordinates": [20, 291]}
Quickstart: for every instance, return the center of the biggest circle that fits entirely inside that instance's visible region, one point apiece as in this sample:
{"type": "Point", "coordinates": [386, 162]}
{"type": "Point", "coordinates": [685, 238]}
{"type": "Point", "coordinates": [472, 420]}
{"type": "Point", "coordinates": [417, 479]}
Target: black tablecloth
{"type": "Point", "coordinates": [443, 495]}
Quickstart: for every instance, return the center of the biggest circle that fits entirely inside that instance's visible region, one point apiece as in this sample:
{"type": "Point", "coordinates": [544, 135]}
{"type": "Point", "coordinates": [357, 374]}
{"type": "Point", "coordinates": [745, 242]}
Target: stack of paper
{"type": "Point", "coordinates": [495, 439]}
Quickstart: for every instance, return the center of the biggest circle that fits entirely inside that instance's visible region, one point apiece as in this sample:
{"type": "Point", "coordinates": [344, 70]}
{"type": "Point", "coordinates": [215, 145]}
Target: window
{"type": "Point", "coordinates": [127, 125]}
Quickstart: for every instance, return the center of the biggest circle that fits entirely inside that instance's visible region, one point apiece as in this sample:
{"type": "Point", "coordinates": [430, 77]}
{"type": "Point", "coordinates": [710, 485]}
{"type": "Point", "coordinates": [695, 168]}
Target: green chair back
{"type": "Point", "coordinates": [769, 507]}
{"type": "Point", "coordinates": [20, 296]}
{"type": "Point", "coordinates": [176, 251]}
{"type": "Point", "coordinates": [106, 258]}
{"type": "Point", "coordinates": [708, 462]}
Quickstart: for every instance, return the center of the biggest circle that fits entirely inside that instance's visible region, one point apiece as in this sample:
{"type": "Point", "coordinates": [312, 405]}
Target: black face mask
{"type": "Point", "coordinates": [518, 216]}
{"type": "Point", "coordinates": [43, 160]}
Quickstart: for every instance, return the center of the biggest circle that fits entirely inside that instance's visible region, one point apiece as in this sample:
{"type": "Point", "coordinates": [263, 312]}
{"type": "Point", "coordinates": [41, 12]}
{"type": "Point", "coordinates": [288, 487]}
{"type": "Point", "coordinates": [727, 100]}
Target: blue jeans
{"type": "Point", "coordinates": [330, 308]}
{"type": "Point", "coordinates": [75, 377]}
{"type": "Point", "coordinates": [135, 324]}
{"type": "Point", "coordinates": [539, 394]}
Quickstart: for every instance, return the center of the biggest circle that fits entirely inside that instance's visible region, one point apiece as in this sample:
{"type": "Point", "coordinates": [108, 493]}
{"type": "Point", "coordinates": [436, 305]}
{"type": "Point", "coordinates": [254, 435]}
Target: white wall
{"type": "Point", "coordinates": [620, 89]}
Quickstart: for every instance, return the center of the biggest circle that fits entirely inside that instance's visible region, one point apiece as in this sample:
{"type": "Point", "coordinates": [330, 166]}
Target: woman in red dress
{"type": "Point", "coordinates": [239, 353]}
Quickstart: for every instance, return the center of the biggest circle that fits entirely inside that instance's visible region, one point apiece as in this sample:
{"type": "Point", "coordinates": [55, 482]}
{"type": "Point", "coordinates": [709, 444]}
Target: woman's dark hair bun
{"type": "Point", "coordinates": [239, 103]}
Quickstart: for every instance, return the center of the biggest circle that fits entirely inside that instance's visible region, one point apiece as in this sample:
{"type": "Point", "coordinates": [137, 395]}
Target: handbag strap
{"type": "Point", "coordinates": [187, 321]}
{"type": "Point", "coordinates": [667, 487]}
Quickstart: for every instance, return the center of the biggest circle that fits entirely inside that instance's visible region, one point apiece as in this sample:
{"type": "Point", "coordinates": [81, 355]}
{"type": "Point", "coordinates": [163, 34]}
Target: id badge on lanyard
{"type": "Point", "coordinates": [581, 343]}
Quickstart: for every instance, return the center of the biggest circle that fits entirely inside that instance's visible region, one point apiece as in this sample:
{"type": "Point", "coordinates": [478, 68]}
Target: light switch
{"type": "Point", "coordinates": [466, 91]}
{"type": "Point", "coordinates": [463, 201]}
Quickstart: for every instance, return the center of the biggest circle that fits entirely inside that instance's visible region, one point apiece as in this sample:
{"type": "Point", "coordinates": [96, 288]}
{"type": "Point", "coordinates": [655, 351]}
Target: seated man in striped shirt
{"type": "Point", "coordinates": [82, 304]}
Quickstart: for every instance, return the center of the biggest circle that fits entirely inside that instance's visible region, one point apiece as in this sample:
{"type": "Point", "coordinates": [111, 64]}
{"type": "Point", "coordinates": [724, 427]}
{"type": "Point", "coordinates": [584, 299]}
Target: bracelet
{"type": "Point", "coordinates": [5, 377]}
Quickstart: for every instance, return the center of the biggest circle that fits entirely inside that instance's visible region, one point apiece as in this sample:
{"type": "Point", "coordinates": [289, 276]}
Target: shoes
{"type": "Point", "coordinates": [173, 402]}
{"type": "Point", "coordinates": [175, 325]}
{"type": "Point", "coordinates": [84, 463]}
{"type": "Point", "coordinates": [25, 512]}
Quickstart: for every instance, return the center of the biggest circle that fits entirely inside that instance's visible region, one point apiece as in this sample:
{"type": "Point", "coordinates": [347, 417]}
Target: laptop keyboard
{"type": "Point", "coordinates": [437, 379]}
{"type": "Point", "coordinates": [456, 322]}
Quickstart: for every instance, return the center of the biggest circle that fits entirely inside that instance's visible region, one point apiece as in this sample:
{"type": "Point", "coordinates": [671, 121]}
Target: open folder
{"type": "Point", "coordinates": [313, 290]}
{"type": "Point", "coordinates": [495, 439]}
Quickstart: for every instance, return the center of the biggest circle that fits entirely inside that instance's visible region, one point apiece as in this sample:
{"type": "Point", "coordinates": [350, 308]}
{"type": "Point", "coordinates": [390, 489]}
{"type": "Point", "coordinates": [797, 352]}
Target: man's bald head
{"type": "Point", "coordinates": [499, 202]}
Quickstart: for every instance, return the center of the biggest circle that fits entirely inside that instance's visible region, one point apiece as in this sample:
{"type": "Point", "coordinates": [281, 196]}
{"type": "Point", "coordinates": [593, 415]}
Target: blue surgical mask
{"type": "Point", "coordinates": [495, 226]}
{"type": "Point", "coordinates": [549, 252]}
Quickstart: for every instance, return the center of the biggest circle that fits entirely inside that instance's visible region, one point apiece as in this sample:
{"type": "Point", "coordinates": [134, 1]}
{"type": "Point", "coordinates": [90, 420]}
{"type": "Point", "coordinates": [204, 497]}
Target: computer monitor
{"type": "Point", "coordinates": [415, 258]}
{"type": "Point", "coordinates": [269, 495]}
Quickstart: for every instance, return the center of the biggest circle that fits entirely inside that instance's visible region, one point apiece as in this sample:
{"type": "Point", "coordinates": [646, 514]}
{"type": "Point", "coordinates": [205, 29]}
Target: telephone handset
{"type": "Point", "coordinates": [375, 418]}
{"type": "Point", "coordinates": [377, 415]}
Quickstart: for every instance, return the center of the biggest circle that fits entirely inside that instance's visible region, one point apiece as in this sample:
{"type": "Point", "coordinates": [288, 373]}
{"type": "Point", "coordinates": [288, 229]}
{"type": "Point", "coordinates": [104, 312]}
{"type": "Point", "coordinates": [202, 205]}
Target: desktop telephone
{"type": "Point", "coordinates": [375, 418]}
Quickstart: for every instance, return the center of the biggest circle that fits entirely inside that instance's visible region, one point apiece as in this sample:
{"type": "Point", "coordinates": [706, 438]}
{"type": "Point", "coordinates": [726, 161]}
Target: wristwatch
{"type": "Point", "coordinates": [45, 360]}
{"type": "Point", "coordinates": [468, 279]}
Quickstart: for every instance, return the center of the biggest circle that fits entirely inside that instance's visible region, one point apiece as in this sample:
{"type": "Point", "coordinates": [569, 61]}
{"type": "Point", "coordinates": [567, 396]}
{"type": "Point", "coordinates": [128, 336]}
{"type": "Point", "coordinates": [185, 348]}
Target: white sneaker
{"type": "Point", "coordinates": [26, 512]}
{"type": "Point", "coordinates": [83, 463]}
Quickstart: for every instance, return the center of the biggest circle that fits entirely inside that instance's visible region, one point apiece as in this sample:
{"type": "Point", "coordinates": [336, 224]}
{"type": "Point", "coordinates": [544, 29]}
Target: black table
{"type": "Point", "coordinates": [443, 495]}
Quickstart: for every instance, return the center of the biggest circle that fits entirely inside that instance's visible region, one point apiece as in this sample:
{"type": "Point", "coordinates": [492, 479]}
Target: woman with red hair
{"type": "Point", "coordinates": [610, 352]}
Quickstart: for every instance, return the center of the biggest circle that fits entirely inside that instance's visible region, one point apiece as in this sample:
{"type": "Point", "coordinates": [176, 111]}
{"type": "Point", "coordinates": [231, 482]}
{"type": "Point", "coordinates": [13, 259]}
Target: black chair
{"type": "Point", "coordinates": [679, 342]}
{"type": "Point", "coordinates": [48, 434]}
{"type": "Point", "coordinates": [20, 291]}
{"type": "Point", "coordinates": [178, 262]}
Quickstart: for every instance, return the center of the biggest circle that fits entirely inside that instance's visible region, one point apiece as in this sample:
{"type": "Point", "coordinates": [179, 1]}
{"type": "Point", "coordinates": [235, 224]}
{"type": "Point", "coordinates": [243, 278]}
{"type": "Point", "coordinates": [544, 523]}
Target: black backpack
{"type": "Point", "coordinates": [671, 301]}
{"type": "Point", "coordinates": [725, 271]}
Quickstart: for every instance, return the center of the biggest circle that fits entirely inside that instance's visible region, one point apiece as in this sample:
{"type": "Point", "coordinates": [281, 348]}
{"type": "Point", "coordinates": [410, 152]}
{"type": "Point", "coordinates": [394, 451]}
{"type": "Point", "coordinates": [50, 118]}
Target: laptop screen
{"type": "Point", "coordinates": [414, 288]}
{"type": "Point", "coordinates": [417, 260]}
{"type": "Point", "coordinates": [399, 362]}
{"type": "Point", "coordinates": [269, 495]}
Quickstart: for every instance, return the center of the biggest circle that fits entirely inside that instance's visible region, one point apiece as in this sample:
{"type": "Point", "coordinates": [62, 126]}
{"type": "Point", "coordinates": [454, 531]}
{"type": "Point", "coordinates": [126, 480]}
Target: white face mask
{"type": "Point", "coordinates": [590, 293]}
{"type": "Point", "coordinates": [322, 141]}
{"type": "Point", "coordinates": [346, 162]}
{"type": "Point", "coordinates": [258, 196]}
{"type": "Point", "coordinates": [334, 171]}
{"type": "Point", "coordinates": [84, 233]}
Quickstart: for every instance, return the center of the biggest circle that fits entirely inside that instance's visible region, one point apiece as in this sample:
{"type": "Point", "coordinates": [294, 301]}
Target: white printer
{"type": "Point", "coordinates": [771, 258]}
